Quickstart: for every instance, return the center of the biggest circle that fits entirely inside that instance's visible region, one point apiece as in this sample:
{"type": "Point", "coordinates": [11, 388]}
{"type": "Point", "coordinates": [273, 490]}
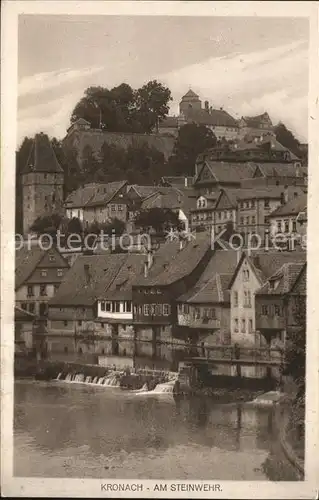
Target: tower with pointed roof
{"type": "Point", "coordinates": [190, 102]}
{"type": "Point", "coordinates": [42, 182]}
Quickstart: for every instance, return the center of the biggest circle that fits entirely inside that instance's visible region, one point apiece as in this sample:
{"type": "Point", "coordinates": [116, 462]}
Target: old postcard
{"type": "Point", "coordinates": [159, 250]}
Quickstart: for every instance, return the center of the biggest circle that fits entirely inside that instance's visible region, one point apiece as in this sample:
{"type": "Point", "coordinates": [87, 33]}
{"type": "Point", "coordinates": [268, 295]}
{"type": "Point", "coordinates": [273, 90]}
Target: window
{"type": "Point", "coordinates": [31, 307]}
{"type": "Point", "coordinates": [51, 258]}
{"type": "Point", "coordinates": [286, 222]}
{"type": "Point", "coordinates": [186, 308]}
{"type": "Point", "coordinates": [197, 313]}
{"type": "Point", "coordinates": [59, 272]}
{"type": "Point", "coordinates": [43, 272]}
{"type": "Point", "coordinates": [249, 298]}
{"type": "Point", "coordinates": [253, 203]}
{"type": "Point", "coordinates": [30, 291]}
{"type": "Point", "coordinates": [247, 221]}
{"type": "Point", "coordinates": [120, 207]}
{"type": "Point", "coordinates": [43, 290]}
{"type": "Point", "coordinates": [242, 221]}
{"type": "Point", "coordinates": [56, 288]}
{"type": "Point", "coordinates": [277, 310]}
{"type": "Point", "coordinates": [235, 299]}
{"type": "Point", "coordinates": [236, 324]}
{"type": "Point", "coordinates": [212, 313]}
{"type": "Point", "coordinates": [108, 307]}
{"type": "Point", "coordinates": [225, 214]}
{"type": "Point", "coordinates": [294, 226]}
{"type": "Point", "coordinates": [79, 323]}
{"type": "Point", "coordinates": [117, 307]}
{"type": "Point", "coordinates": [65, 323]}
{"type": "Point", "coordinates": [245, 275]}
{"type": "Point", "coordinates": [264, 310]}
{"type": "Point", "coordinates": [253, 220]}
{"type": "Point", "coordinates": [102, 306]}
{"type": "Point", "coordinates": [250, 326]}
{"type": "Point", "coordinates": [113, 208]}
{"type": "Point", "coordinates": [128, 304]}
{"type": "Point", "coordinates": [266, 203]}
{"type": "Point", "coordinates": [146, 309]}
{"type": "Point", "coordinates": [166, 309]}
{"type": "Point", "coordinates": [243, 325]}
{"type": "Point", "coordinates": [24, 306]}
{"type": "Point", "coordinates": [278, 222]}
{"type": "Point", "coordinates": [66, 350]}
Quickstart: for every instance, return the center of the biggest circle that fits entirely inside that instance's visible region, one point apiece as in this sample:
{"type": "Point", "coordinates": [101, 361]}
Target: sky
{"type": "Point", "coordinates": [247, 65]}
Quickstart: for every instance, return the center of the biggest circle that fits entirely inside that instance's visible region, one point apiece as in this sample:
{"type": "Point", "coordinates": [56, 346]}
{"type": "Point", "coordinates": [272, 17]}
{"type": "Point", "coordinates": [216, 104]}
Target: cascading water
{"type": "Point", "coordinates": [59, 376]}
{"type": "Point", "coordinates": [68, 378]}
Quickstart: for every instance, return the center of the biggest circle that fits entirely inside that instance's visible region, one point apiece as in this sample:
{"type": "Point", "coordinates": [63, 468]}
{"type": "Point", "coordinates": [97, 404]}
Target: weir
{"type": "Point", "coordinates": [110, 380]}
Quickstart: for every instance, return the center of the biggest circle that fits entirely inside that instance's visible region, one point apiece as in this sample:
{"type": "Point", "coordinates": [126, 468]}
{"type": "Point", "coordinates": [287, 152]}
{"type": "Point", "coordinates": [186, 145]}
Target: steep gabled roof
{"type": "Point", "coordinates": [214, 117]}
{"type": "Point", "coordinates": [212, 287]}
{"type": "Point", "coordinates": [284, 278]}
{"type": "Point", "coordinates": [26, 260]}
{"type": "Point", "coordinates": [265, 264]}
{"type": "Point", "coordinates": [77, 290]}
{"type": "Point", "coordinates": [104, 194]}
{"type": "Point", "coordinates": [42, 157]}
{"type": "Point", "coordinates": [227, 171]}
{"type": "Point", "coordinates": [255, 121]}
{"type": "Point", "coordinates": [190, 93]}
{"type": "Point", "coordinates": [80, 197]}
{"type": "Point", "coordinates": [172, 264]}
{"type": "Point", "coordinates": [293, 207]}
{"type": "Point", "coordinates": [299, 287]}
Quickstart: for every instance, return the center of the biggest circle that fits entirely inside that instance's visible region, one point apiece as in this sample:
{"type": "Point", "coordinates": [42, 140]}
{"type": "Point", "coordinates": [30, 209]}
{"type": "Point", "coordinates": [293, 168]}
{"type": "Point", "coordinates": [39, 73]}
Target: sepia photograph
{"type": "Point", "coordinates": [159, 263]}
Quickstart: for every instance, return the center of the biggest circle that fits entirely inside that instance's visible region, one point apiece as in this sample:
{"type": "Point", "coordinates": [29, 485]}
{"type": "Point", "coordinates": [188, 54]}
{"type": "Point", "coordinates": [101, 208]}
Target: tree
{"type": "Point", "coordinates": [75, 226]}
{"type": "Point", "coordinates": [296, 344]}
{"type": "Point", "coordinates": [192, 140]}
{"type": "Point", "coordinates": [122, 109]}
{"type": "Point", "coordinates": [114, 226]}
{"type": "Point", "coordinates": [151, 102]}
{"type": "Point", "coordinates": [67, 158]}
{"type": "Point", "coordinates": [160, 219]}
{"type": "Point", "coordinates": [47, 224]}
{"type": "Point", "coordinates": [287, 139]}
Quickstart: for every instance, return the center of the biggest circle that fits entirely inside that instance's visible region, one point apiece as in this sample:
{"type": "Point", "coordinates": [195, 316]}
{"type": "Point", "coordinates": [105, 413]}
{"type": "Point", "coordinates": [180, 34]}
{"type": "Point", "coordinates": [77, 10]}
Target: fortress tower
{"type": "Point", "coordinates": [42, 182]}
{"type": "Point", "coordinates": [190, 102]}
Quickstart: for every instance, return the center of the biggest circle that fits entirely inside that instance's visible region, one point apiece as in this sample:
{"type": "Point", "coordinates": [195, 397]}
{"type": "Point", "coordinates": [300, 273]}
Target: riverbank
{"type": "Point", "coordinates": [290, 422]}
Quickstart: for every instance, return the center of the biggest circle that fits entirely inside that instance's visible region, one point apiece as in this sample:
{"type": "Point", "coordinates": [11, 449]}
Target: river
{"type": "Point", "coordinates": [80, 431]}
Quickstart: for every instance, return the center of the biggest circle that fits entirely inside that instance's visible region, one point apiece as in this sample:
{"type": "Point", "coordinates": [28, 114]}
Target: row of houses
{"type": "Point", "coordinates": [152, 306]}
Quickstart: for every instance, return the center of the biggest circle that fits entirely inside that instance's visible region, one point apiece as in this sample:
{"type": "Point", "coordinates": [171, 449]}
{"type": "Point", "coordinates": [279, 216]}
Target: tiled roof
{"type": "Point", "coordinates": [268, 263]}
{"type": "Point", "coordinates": [22, 315]}
{"type": "Point", "coordinates": [285, 276]}
{"type": "Point", "coordinates": [81, 196]}
{"type": "Point", "coordinates": [143, 191]}
{"type": "Point", "coordinates": [255, 121]}
{"type": "Point", "coordinates": [190, 93]}
{"type": "Point", "coordinates": [266, 192]}
{"type": "Point", "coordinates": [213, 283]}
{"type": "Point", "coordinates": [105, 193]}
{"type": "Point", "coordinates": [293, 207]}
{"type": "Point", "coordinates": [172, 264]}
{"type": "Point", "coordinates": [170, 198]}
{"type": "Point", "coordinates": [300, 285]}
{"type": "Point", "coordinates": [281, 170]}
{"type": "Point", "coordinates": [214, 117]}
{"type": "Point", "coordinates": [26, 260]}
{"type": "Point", "coordinates": [108, 274]}
{"type": "Point", "coordinates": [178, 181]}
{"type": "Point", "coordinates": [93, 194]}
{"type": "Point", "coordinates": [229, 171]}
{"type": "Point", "coordinates": [42, 157]}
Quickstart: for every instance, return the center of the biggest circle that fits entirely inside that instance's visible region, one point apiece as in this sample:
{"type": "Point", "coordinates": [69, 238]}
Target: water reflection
{"type": "Point", "coordinates": [54, 419]}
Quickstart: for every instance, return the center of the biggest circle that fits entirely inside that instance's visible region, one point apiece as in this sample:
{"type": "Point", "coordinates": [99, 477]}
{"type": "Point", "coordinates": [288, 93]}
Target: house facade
{"type": "Point", "coordinates": [39, 274]}
{"type": "Point", "coordinates": [256, 126]}
{"type": "Point", "coordinates": [275, 305]}
{"type": "Point", "coordinates": [288, 218]}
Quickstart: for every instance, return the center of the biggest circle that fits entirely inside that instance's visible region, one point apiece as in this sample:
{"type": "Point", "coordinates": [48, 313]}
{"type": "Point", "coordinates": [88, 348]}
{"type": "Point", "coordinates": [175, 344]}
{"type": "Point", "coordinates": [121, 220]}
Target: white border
{"type": "Point", "coordinates": [90, 487]}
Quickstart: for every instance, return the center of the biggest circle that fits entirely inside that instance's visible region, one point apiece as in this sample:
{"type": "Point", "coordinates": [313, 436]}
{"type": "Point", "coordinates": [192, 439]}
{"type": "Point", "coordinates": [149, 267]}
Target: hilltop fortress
{"type": "Point", "coordinates": [81, 135]}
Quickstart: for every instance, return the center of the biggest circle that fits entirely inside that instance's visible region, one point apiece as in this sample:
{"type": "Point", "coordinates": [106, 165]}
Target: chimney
{"type": "Point", "coordinates": [185, 182]}
{"type": "Point", "coordinates": [87, 274]}
{"type": "Point", "coordinates": [207, 106]}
